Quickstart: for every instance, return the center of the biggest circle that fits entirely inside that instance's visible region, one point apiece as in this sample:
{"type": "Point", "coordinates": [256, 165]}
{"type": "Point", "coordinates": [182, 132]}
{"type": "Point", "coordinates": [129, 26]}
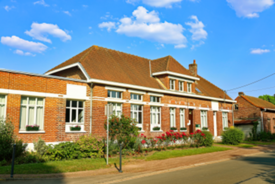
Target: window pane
{"type": "Point", "coordinates": [113, 94]}
{"type": "Point", "coordinates": [2, 99]}
{"type": "Point", "coordinates": [2, 111]}
{"type": "Point", "coordinates": [80, 104]}
{"type": "Point", "coordinates": [109, 93]}
{"type": "Point", "coordinates": [74, 103]}
{"type": "Point", "coordinates": [23, 100]}
{"type": "Point", "coordinates": [68, 103]}
{"type": "Point", "coordinates": [73, 115]}
{"type": "Point", "coordinates": [119, 94]}
{"type": "Point", "coordinates": [151, 99]}
{"type": "Point", "coordinates": [140, 117]}
{"type": "Point", "coordinates": [31, 116]}
{"type": "Point", "coordinates": [23, 113]}
{"type": "Point", "coordinates": [67, 115]}
{"type": "Point", "coordinates": [80, 115]}
{"type": "Point", "coordinates": [31, 101]}
{"type": "Point", "coordinates": [39, 116]}
{"type": "Point", "coordinates": [118, 107]}
{"type": "Point", "coordinates": [40, 101]}
{"type": "Point", "coordinates": [139, 107]}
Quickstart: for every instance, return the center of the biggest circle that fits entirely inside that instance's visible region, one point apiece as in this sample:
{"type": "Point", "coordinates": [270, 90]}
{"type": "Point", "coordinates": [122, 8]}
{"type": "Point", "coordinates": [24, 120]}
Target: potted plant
{"type": "Point", "coordinates": [183, 128]}
{"type": "Point", "coordinates": [173, 128]}
{"type": "Point", "coordinates": [139, 128]}
{"type": "Point", "coordinates": [32, 127]}
{"type": "Point", "coordinates": [75, 128]}
{"type": "Point", "coordinates": [156, 128]}
{"type": "Point", "coordinates": [198, 125]}
{"type": "Point", "coordinates": [204, 128]}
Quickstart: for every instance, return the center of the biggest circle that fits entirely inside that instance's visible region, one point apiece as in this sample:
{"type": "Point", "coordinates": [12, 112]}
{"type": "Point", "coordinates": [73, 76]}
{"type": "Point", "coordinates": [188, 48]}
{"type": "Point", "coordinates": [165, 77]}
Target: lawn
{"type": "Point", "coordinates": [259, 142]}
{"type": "Point", "coordinates": [93, 164]}
{"type": "Point", "coordinates": [242, 145]}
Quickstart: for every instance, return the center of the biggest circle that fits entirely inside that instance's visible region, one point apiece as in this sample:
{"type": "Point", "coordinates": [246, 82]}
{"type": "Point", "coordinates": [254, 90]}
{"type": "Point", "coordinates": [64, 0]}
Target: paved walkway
{"type": "Point", "coordinates": [143, 168]}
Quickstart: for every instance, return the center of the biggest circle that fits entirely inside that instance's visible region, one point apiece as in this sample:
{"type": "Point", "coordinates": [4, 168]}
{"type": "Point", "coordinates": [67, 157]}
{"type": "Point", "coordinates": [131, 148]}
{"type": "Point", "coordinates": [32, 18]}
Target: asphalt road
{"type": "Point", "coordinates": [256, 169]}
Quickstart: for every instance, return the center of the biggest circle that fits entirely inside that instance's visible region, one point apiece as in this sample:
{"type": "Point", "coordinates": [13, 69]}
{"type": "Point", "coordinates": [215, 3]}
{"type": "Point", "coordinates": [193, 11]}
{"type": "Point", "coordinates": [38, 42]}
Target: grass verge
{"type": "Point", "coordinates": [93, 164]}
{"type": "Point", "coordinates": [259, 142]}
{"type": "Point", "coordinates": [242, 145]}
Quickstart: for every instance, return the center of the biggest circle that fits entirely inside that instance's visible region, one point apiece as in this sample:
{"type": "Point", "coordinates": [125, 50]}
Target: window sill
{"type": "Point", "coordinates": [32, 132]}
{"type": "Point", "coordinates": [156, 131]}
{"type": "Point", "coordinates": [74, 132]}
{"type": "Point", "coordinates": [183, 130]}
{"type": "Point", "coordinates": [141, 131]}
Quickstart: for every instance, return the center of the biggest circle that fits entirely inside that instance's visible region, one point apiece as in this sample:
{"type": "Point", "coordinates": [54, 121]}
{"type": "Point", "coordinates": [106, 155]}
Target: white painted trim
{"type": "Point", "coordinates": [180, 79]}
{"type": "Point", "coordinates": [191, 107]}
{"type": "Point", "coordinates": [136, 102]}
{"type": "Point", "coordinates": [156, 94]}
{"type": "Point", "coordinates": [159, 90]}
{"type": "Point", "coordinates": [115, 88]}
{"type": "Point", "coordinates": [76, 98]}
{"type": "Point", "coordinates": [115, 100]}
{"type": "Point", "coordinates": [75, 132]}
{"type": "Point", "coordinates": [204, 108]}
{"type": "Point", "coordinates": [225, 110]}
{"type": "Point", "coordinates": [31, 132]}
{"type": "Point", "coordinates": [71, 66]}
{"type": "Point", "coordinates": [155, 104]}
{"type": "Point", "coordinates": [137, 92]}
{"type": "Point", "coordinates": [177, 106]}
{"type": "Point", "coordinates": [176, 74]}
{"type": "Point", "coordinates": [156, 131]}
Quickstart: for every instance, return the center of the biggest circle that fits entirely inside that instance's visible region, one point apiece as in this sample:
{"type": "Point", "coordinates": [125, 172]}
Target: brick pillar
{"type": "Point", "coordinates": [210, 121]}
{"type": "Point", "coordinates": [219, 123]}
{"type": "Point", "coordinates": [178, 118]}
{"type": "Point", "coordinates": [165, 119]}
{"type": "Point", "coordinates": [146, 118]}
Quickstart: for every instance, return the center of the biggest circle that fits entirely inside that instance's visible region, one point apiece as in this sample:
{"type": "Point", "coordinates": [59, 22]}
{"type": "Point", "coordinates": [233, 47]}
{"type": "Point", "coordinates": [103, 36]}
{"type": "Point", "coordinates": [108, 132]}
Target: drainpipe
{"type": "Point", "coordinates": [91, 107]}
{"type": "Point", "coordinates": [233, 114]}
{"type": "Point", "coordinates": [262, 119]}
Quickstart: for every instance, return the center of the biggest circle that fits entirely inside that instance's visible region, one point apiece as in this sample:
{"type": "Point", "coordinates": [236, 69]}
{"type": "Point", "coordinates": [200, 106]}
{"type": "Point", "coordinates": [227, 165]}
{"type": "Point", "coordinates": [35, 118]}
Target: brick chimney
{"type": "Point", "coordinates": [193, 68]}
{"type": "Point", "coordinates": [241, 93]}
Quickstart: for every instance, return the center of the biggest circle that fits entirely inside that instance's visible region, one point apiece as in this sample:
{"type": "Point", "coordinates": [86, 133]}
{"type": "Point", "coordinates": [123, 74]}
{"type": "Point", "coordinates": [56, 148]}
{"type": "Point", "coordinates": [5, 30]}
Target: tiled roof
{"type": "Point", "coordinates": [259, 102]}
{"type": "Point", "coordinates": [111, 65]}
{"type": "Point", "coordinates": [244, 122]}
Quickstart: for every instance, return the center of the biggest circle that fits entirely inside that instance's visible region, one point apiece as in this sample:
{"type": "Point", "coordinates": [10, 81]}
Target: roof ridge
{"type": "Point", "coordinates": [85, 55]}
{"type": "Point", "coordinates": [251, 102]}
{"type": "Point", "coordinates": [168, 61]}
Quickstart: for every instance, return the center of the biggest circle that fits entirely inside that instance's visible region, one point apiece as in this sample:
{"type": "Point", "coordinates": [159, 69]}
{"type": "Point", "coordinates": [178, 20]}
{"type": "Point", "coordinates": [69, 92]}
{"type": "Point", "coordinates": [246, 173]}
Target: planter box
{"type": "Point", "coordinates": [173, 128]}
{"type": "Point", "coordinates": [32, 128]}
{"type": "Point", "coordinates": [183, 128]}
{"type": "Point", "coordinates": [75, 128]}
{"type": "Point", "coordinates": [205, 128]}
{"type": "Point", "coordinates": [198, 125]}
{"type": "Point", "coordinates": [156, 128]}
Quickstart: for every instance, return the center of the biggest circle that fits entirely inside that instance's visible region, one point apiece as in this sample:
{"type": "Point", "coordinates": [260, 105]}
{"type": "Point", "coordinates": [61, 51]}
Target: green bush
{"type": "Point", "coordinates": [90, 146]}
{"type": "Point", "coordinates": [208, 141]}
{"type": "Point", "coordinates": [40, 146]}
{"type": "Point", "coordinates": [264, 136]}
{"type": "Point", "coordinates": [7, 139]}
{"type": "Point", "coordinates": [232, 136]}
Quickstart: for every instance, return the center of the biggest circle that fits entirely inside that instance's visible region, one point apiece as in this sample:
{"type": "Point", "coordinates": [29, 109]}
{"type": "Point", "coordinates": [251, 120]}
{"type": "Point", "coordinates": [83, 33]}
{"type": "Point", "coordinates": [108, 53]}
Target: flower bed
{"type": "Point", "coordinates": [75, 128]}
{"type": "Point", "coordinates": [32, 127]}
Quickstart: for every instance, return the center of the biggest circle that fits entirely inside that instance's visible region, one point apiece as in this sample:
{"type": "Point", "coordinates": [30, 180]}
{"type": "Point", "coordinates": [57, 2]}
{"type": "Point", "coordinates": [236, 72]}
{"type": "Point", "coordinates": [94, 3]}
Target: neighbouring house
{"type": "Point", "coordinates": [249, 109]}
{"type": "Point", "coordinates": [157, 93]}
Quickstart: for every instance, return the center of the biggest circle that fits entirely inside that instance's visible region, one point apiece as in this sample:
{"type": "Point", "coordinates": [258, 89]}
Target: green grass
{"type": "Point", "coordinates": [180, 153]}
{"type": "Point", "coordinates": [239, 145]}
{"type": "Point", "coordinates": [93, 164]}
{"type": "Point", "coordinates": [259, 142]}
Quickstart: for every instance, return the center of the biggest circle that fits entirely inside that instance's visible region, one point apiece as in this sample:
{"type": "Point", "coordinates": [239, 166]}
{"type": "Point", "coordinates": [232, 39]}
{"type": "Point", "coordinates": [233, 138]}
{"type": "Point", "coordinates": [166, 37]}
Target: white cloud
{"type": "Point", "coordinates": [67, 12]}
{"type": "Point", "coordinates": [250, 8]}
{"type": "Point", "coordinates": [197, 45]}
{"type": "Point", "coordinates": [41, 2]}
{"type": "Point", "coordinates": [22, 44]}
{"type": "Point", "coordinates": [197, 30]}
{"type": "Point", "coordinates": [85, 6]}
{"type": "Point", "coordinates": [259, 51]}
{"type": "Point", "coordinates": [90, 27]}
{"type": "Point", "coordinates": [20, 52]}
{"type": "Point", "coordinates": [156, 3]}
{"type": "Point", "coordinates": [41, 31]}
{"type": "Point", "coordinates": [147, 25]}
{"type": "Point", "coordinates": [108, 25]}
{"type": "Point", "coordinates": [8, 8]}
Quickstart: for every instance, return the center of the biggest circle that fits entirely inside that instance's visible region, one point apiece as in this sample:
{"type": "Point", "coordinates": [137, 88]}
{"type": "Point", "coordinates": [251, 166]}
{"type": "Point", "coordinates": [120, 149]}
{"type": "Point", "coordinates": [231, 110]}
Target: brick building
{"type": "Point", "coordinates": [249, 109]}
{"type": "Point", "coordinates": [157, 93]}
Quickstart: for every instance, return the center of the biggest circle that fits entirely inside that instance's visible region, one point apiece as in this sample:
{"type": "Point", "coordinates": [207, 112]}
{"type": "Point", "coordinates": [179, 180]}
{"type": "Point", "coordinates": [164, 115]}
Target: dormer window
{"type": "Point", "coordinates": [136, 97]}
{"type": "Point", "coordinates": [114, 94]}
{"type": "Point", "coordinates": [180, 85]}
{"type": "Point", "coordinates": [189, 87]}
{"type": "Point", "coordinates": [155, 99]}
{"type": "Point", "coordinates": [172, 84]}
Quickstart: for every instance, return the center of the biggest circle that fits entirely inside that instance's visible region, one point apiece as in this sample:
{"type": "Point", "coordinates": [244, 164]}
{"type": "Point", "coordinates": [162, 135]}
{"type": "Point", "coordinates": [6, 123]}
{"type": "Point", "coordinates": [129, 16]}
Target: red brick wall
{"type": "Point", "coordinates": [246, 110]}
{"type": "Point", "coordinates": [74, 73]}
{"type": "Point", "coordinates": [269, 121]}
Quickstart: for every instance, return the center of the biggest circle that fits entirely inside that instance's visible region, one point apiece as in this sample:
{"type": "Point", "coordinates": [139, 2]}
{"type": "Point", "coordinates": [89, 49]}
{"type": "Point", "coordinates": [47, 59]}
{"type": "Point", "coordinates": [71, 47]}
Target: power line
{"type": "Point", "coordinates": [253, 90]}
{"type": "Point", "coordinates": [251, 82]}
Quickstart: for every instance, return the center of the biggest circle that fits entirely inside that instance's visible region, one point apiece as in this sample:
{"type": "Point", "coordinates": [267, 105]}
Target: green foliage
{"type": "Point", "coordinates": [40, 146]}
{"type": "Point", "coordinates": [232, 136]}
{"type": "Point", "coordinates": [29, 157]}
{"type": "Point", "coordinates": [90, 146]}
{"type": "Point", "coordinates": [7, 139]}
{"type": "Point", "coordinates": [208, 141]}
{"type": "Point", "coordinates": [123, 129]}
{"type": "Point", "coordinates": [268, 98]}
{"type": "Point", "coordinates": [264, 136]}
{"type": "Point", "coordinates": [253, 134]}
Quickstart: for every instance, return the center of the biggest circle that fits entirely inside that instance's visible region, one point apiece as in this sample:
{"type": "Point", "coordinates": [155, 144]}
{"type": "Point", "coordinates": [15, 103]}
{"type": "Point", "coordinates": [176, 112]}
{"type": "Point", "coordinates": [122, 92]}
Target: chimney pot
{"type": "Point", "coordinates": [194, 61]}
{"type": "Point", "coordinates": [241, 93]}
{"type": "Point", "coordinates": [193, 68]}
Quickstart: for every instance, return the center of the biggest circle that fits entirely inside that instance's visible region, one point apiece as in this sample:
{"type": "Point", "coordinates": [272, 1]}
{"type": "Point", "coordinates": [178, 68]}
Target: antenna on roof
{"type": "Point", "coordinates": [150, 68]}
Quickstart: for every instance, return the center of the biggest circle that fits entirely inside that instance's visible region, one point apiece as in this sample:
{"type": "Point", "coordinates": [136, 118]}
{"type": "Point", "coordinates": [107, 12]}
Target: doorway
{"type": "Point", "coordinates": [191, 126]}
{"type": "Point", "coordinates": [215, 123]}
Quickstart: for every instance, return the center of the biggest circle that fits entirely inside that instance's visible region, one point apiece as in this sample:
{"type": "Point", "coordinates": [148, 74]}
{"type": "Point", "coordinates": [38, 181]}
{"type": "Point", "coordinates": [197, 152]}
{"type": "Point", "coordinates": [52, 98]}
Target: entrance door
{"type": "Point", "coordinates": [191, 126]}
{"type": "Point", "coordinates": [215, 123]}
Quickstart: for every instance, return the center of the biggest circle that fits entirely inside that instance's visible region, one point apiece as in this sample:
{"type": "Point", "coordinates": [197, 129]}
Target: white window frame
{"type": "Point", "coordinates": [155, 97]}
{"type": "Point", "coordinates": [75, 108]}
{"type": "Point", "coordinates": [116, 94]}
{"type": "Point", "coordinates": [172, 84]}
{"type": "Point", "coordinates": [182, 118]}
{"type": "Point", "coordinates": [5, 107]}
{"type": "Point", "coordinates": [189, 87]}
{"type": "Point", "coordinates": [173, 112]}
{"type": "Point", "coordinates": [181, 83]}
{"type": "Point", "coordinates": [140, 125]}
{"type": "Point", "coordinates": [204, 120]}
{"type": "Point", "coordinates": [155, 113]}
{"type": "Point", "coordinates": [224, 120]}
{"type": "Point", "coordinates": [35, 112]}
{"type": "Point", "coordinates": [115, 109]}
{"type": "Point", "coordinates": [141, 97]}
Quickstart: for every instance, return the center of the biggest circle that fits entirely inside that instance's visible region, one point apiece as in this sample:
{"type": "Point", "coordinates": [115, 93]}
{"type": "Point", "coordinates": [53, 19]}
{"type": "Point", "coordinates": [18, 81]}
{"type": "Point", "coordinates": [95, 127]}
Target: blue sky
{"type": "Point", "coordinates": [231, 40]}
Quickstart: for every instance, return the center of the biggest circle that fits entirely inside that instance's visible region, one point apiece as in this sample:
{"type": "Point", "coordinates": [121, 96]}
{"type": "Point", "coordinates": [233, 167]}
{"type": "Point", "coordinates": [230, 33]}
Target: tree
{"type": "Point", "coordinates": [268, 98]}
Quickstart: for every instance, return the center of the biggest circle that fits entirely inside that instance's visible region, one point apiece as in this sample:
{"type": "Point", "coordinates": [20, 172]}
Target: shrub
{"type": "Point", "coordinates": [232, 136]}
{"type": "Point", "coordinates": [197, 137]}
{"type": "Point", "coordinates": [90, 146]}
{"type": "Point", "coordinates": [264, 136]}
{"type": "Point", "coordinates": [208, 141]}
{"type": "Point", "coordinates": [40, 146]}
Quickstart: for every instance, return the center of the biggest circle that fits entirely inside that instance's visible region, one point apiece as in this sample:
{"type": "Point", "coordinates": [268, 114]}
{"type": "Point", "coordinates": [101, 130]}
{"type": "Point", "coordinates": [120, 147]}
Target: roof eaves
{"type": "Point", "coordinates": [252, 102]}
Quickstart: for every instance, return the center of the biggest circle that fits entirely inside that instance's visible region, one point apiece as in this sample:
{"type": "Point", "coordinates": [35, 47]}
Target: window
{"type": "Point", "coordinates": [154, 99]}
{"type": "Point", "coordinates": [135, 97]}
{"type": "Point", "coordinates": [136, 113]}
{"type": "Point", "coordinates": [225, 120]}
{"type": "Point", "coordinates": [117, 109]}
{"type": "Point", "coordinates": [189, 87]}
{"type": "Point", "coordinates": [155, 117]}
{"type": "Point", "coordinates": [182, 118]}
{"type": "Point", "coordinates": [172, 84]}
{"type": "Point", "coordinates": [172, 117]}
{"type": "Point", "coordinates": [180, 86]}
{"type": "Point", "coordinates": [114, 94]}
{"type": "Point", "coordinates": [31, 112]}
{"type": "Point", "coordinates": [204, 119]}
{"type": "Point", "coordinates": [74, 111]}
{"type": "Point", "coordinates": [236, 107]}
{"type": "Point", "coordinates": [2, 107]}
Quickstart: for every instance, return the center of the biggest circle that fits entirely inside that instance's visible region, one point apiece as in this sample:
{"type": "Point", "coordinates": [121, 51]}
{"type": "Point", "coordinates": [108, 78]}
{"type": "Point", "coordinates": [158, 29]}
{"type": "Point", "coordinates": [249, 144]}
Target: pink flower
{"type": "Point", "coordinates": [143, 142]}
